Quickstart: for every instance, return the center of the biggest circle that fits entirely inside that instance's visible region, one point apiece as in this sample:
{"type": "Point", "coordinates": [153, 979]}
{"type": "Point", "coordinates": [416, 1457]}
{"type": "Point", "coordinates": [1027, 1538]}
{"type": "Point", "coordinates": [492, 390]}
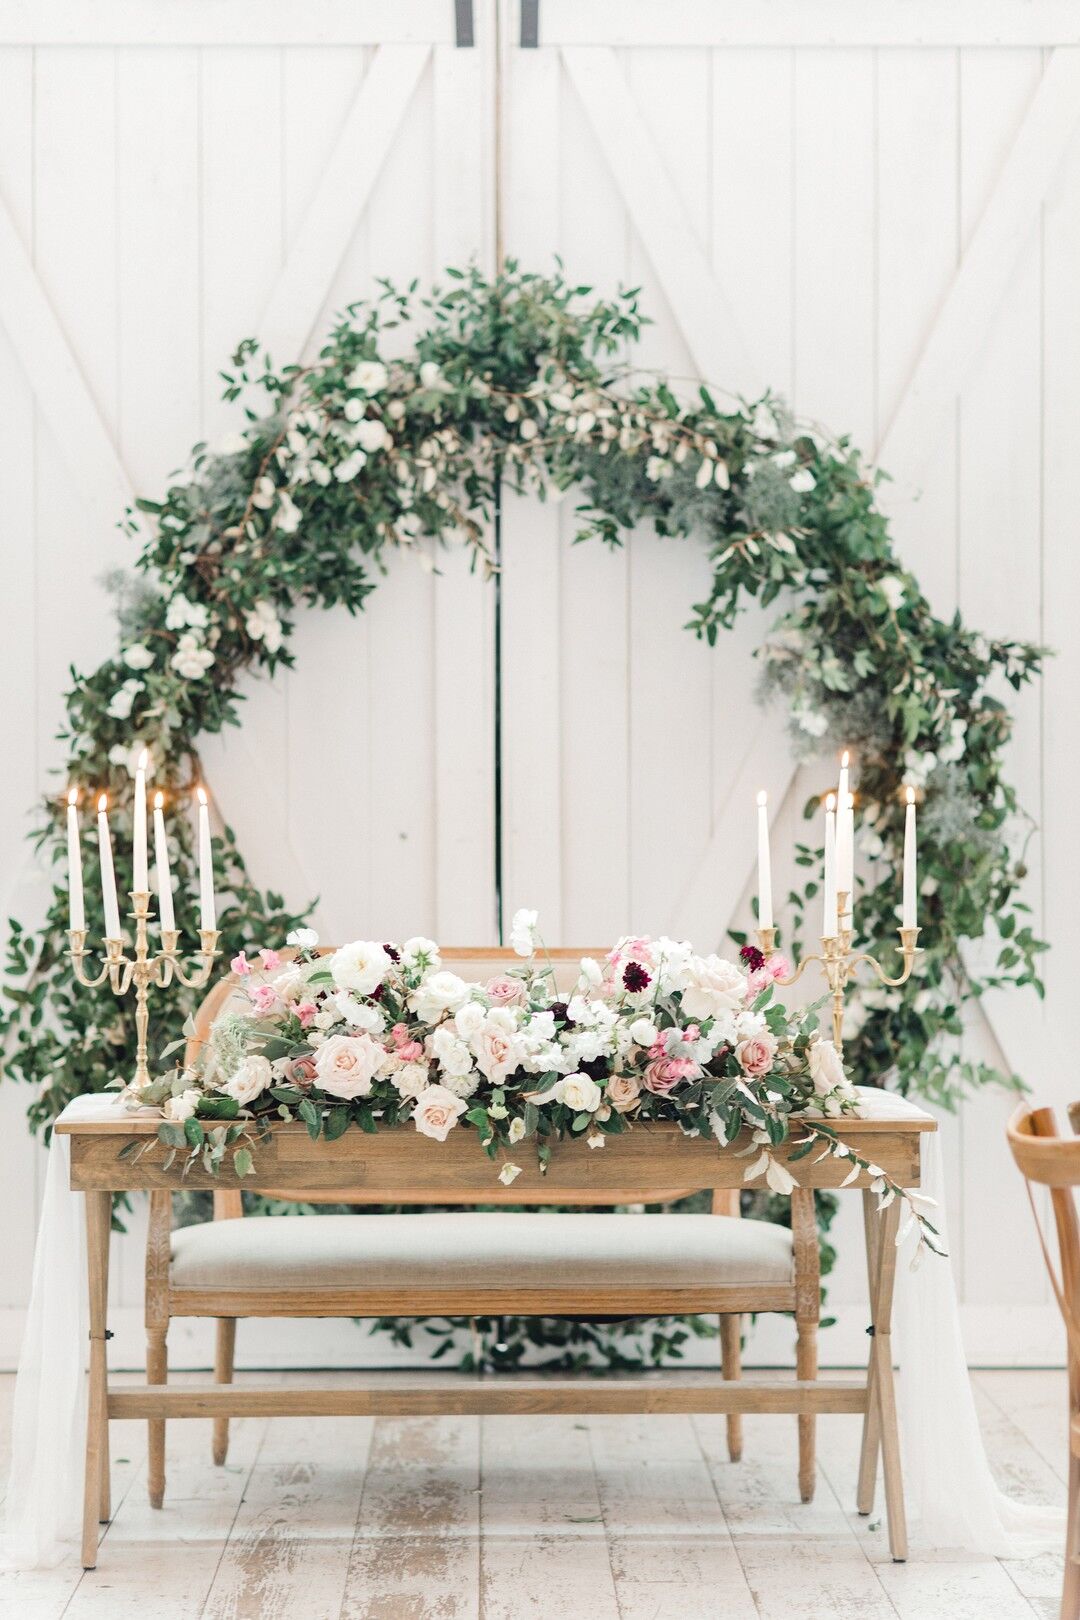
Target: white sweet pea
{"type": "Point", "coordinates": [590, 971]}
{"type": "Point", "coordinates": [509, 1173]}
{"type": "Point", "coordinates": [516, 1130]}
{"type": "Point", "coordinates": [596, 1139]}
{"type": "Point", "coordinates": [359, 1014]}
{"type": "Point", "coordinates": [305, 939]}
{"type": "Point", "coordinates": [451, 1051]}
{"type": "Point", "coordinates": [523, 932]}
{"type": "Point", "coordinates": [643, 1031]}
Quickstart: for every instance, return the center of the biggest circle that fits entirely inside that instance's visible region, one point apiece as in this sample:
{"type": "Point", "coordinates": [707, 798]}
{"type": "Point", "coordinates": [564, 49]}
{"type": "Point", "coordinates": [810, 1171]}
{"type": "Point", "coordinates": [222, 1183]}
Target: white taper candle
{"type": "Point", "coordinates": [207, 907]}
{"type": "Point", "coordinates": [764, 864]}
{"type": "Point", "coordinates": [140, 875]}
{"type": "Point", "coordinates": [108, 876]}
{"type": "Point", "coordinates": [164, 874]}
{"type": "Point", "coordinates": [76, 909]}
{"type": "Point", "coordinates": [828, 902]}
{"type": "Point", "coordinates": [910, 863]}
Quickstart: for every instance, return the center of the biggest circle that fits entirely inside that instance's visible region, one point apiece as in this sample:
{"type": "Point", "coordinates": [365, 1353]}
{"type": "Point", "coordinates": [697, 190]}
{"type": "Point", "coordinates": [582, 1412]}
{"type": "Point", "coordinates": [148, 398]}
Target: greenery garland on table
{"type": "Point", "coordinates": [343, 461]}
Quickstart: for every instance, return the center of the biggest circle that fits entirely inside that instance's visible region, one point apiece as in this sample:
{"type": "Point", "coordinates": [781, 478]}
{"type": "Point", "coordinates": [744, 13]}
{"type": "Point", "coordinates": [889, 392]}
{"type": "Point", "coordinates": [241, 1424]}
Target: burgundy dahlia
{"type": "Point", "coordinates": [635, 977]}
{"type": "Point", "coordinates": [754, 959]}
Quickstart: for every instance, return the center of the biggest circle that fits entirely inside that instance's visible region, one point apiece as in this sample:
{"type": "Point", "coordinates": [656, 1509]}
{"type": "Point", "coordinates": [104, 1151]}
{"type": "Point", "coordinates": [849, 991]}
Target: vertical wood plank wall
{"type": "Point", "coordinates": [158, 192]}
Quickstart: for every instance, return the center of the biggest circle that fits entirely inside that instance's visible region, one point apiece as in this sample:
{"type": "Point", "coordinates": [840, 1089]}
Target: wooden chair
{"type": "Point", "coordinates": [226, 1271]}
{"type": "Point", "coordinates": [1053, 1161]}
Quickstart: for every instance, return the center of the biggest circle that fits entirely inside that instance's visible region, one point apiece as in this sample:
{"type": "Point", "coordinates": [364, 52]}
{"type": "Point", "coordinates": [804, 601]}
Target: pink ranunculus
{"type": "Point", "coordinates": [240, 965]}
{"type": "Point", "coordinates": [662, 1075]}
{"type": "Point", "coordinates": [263, 997]}
{"type": "Point", "coordinates": [756, 1054]}
{"type": "Point", "coordinates": [306, 1013]}
{"type": "Point", "coordinates": [270, 960]}
{"type": "Point", "coordinates": [505, 990]}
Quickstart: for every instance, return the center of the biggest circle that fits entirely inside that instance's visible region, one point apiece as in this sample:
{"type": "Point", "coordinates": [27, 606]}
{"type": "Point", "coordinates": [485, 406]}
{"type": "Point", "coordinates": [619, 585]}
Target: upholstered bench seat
{"type": "Point", "coordinates": [488, 1250]}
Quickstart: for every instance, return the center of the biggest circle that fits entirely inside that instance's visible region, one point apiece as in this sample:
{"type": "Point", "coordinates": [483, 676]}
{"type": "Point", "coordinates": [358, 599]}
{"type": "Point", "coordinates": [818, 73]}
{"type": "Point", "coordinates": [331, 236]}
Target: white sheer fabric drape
{"type": "Point", "coordinates": [951, 1495]}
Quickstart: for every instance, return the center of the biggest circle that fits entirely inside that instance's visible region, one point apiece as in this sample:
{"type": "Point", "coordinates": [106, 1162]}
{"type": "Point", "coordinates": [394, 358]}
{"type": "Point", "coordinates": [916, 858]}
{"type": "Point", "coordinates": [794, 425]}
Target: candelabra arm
{"type": "Point", "coordinates": [909, 950]}
{"type": "Point", "coordinates": [78, 953]}
{"type": "Point", "coordinates": [195, 978]}
{"type": "Point", "coordinates": [767, 947]}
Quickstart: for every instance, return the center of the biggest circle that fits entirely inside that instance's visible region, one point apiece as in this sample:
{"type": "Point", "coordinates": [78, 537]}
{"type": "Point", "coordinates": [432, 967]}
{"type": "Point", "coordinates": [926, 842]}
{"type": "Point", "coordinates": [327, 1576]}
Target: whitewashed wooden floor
{"type": "Point", "coordinates": [508, 1518]}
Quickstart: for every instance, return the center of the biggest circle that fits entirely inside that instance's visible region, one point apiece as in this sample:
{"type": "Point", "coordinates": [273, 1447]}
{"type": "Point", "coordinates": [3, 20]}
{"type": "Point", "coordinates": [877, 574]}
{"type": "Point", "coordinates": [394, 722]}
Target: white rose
{"type": "Point", "coordinates": [715, 986]}
{"type": "Point", "coordinates": [369, 377]}
{"type": "Point", "coordinates": [643, 1031]}
{"type": "Point", "coordinates": [250, 1080]}
{"type": "Point", "coordinates": [371, 435]}
{"type": "Point", "coordinates": [177, 1109]}
{"type": "Point", "coordinates": [579, 1092]}
{"type": "Point", "coordinates": [359, 1014]}
{"type": "Point", "coordinates": [439, 993]}
{"type": "Point", "coordinates": [826, 1067]}
{"type": "Point", "coordinates": [411, 1079]}
{"type": "Point", "coordinates": [360, 967]}
{"type": "Point", "coordinates": [453, 1055]}
{"type": "Point", "coordinates": [191, 659]}
{"type": "Point", "coordinates": [437, 1112]}
{"type": "Point", "coordinates": [305, 939]}
{"type": "Point", "coordinates": [495, 1045]}
{"type": "Point", "coordinates": [122, 700]}
{"type": "Point", "coordinates": [346, 1065]}
{"type": "Point", "coordinates": [523, 932]}
{"type": "Point", "coordinates": [470, 1020]}
{"type": "Point", "coordinates": [138, 656]}
{"type": "Point", "coordinates": [182, 614]}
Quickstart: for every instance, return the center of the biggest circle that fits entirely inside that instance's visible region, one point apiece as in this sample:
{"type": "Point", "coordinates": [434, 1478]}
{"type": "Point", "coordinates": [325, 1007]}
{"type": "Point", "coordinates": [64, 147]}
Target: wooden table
{"type": "Point", "coordinates": [655, 1158]}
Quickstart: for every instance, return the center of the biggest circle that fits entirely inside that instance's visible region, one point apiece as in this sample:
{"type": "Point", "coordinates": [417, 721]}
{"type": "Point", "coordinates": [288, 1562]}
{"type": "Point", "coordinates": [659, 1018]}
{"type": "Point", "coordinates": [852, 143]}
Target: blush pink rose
{"type": "Point", "coordinates": [301, 1073]}
{"type": "Point", "coordinates": [346, 1065]}
{"type": "Point", "coordinates": [756, 1054]}
{"type": "Point", "coordinates": [437, 1112]}
{"type": "Point", "coordinates": [662, 1075]}
{"type": "Point", "coordinates": [506, 991]}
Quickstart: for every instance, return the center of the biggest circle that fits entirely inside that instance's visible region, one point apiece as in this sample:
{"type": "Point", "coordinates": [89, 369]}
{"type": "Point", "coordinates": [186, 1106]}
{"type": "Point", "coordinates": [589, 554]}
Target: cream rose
{"type": "Point", "coordinates": [756, 1054]}
{"type": "Point", "coordinates": [250, 1079]}
{"type": "Point", "coordinates": [579, 1092]}
{"type": "Point", "coordinates": [623, 1091]}
{"type": "Point", "coordinates": [437, 1112]}
{"type": "Point", "coordinates": [410, 1079]}
{"type": "Point", "coordinates": [438, 994]}
{"type": "Point", "coordinates": [177, 1109]}
{"type": "Point", "coordinates": [360, 967]}
{"type": "Point", "coordinates": [495, 1044]}
{"type": "Point", "coordinates": [346, 1065]}
{"type": "Point", "coordinates": [826, 1067]}
{"type": "Point", "coordinates": [715, 986]}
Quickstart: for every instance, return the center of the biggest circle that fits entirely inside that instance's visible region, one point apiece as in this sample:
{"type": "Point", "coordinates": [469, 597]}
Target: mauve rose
{"type": "Point", "coordinates": [301, 1073]}
{"type": "Point", "coordinates": [505, 991]}
{"type": "Point", "coordinates": [622, 1092]}
{"type": "Point", "coordinates": [662, 1075]}
{"type": "Point", "coordinates": [756, 1054]}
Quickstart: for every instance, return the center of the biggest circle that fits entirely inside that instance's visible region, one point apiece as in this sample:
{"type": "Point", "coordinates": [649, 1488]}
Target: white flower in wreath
{"type": "Point", "coordinates": [262, 624]}
{"type": "Point", "coordinates": [183, 614]}
{"type": "Point", "coordinates": [591, 972]}
{"type": "Point", "coordinates": [951, 751]}
{"type": "Point", "coordinates": [288, 515]}
{"type": "Point", "coordinates": [523, 932]}
{"type": "Point", "coordinates": [138, 656]}
{"type": "Point", "coordinates": [358, 1014]}
{"type": "Point", "coordinates": [431, 375]}
{"type": "Point", "coordinates": [579, 1092]}
{"type": "Point", "coordinates": [320, 473]}
{"type": "Point", "coordinates": [264, 493]}
{"type": "Point", "coordinates": [347, 470]}
{"type": "Point", "coordinates": [812, 721]}
{"type": "Point", "coordinates": [123, 699]}
{"type": "Point", "coordinates": [438, 994]}
{"type": "Point", "coordinates": [643, 1032]}
{"type": "Point", "coordinates": [893, 589]}
{"type": "Point", "coordinates": [249, 1080]}
{"type": "Point", "coordinates": [129, 758]}
{"type": "Point", "coordinates": [191, 659]}
{"type": "Point", "coordinates": [764, 424]}
{"type": "Point", "coordinates": [450, 1051]}
{"type": "Point", "coordinates": [715, 986]}
{"type": "Point", "coordinates": [177, 1109]}
{"type": "Point", "coordinates": [360, 967]}
{"type": "Point", "coordinates": [233, 444]}
{"type": "Point", "coordinates": [437, 1112]}
{"type": "Point", "coordinates": [371, 435]}
{"type": "Point", "coordinates": [347, 1064]}
{"type": "Point", "coordinates": [369, 377]}
{"type": "Point", "coordinates": [657, 468]}
{"type": "Point", "coordinates": [802, 482]}
{"type": "Point", "coordinates": [410, 1080]}
{"type": "Point", "coordinates": [918, 767]}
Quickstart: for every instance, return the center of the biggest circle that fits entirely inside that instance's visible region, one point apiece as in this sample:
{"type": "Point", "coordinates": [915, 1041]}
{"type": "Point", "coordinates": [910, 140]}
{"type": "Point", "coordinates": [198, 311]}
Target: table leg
{"type": "Point", "coordinates": [871, 1434]}
{"type": "Point", "coordinates": [882, 1428]}
{"type": "Point", "coordinates": [95, 1489]}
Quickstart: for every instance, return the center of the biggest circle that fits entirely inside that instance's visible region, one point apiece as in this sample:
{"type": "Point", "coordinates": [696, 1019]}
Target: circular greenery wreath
{"type": "Point", "coordinates": [520, 379]}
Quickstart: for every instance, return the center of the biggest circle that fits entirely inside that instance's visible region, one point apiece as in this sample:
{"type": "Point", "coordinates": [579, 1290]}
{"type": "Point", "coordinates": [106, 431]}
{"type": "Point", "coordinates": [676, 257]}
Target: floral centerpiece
{"type": "Point", "coordinates": [379, 1035]}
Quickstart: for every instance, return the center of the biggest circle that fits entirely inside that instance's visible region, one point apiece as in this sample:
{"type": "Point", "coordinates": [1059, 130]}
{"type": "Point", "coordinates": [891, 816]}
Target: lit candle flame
{"type": "Point", "coordinates": [143, 761]}
{"type": "Point", "coordinates": [911, 795]}
{"type": "Point", "coordinates": [159, 801]}
{"type": "Point", "coordinates": [844, 759]}
{"type": "Point", "coordinates": [73, 796]}
{"type": "Point", "coordinates": [763, 797]}
{"type": "Point", "coordinates": [103, 804]}
{"type": "Point", "coordinates": [830, 801]}
{"type": "Point", "coordinates": [200, 794]}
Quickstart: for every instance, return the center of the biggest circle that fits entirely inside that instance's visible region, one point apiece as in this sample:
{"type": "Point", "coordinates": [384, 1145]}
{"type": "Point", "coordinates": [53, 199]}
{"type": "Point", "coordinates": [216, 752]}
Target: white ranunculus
{"type": "Point", "coordinates": [438, 994]}
{"type": "Point", "coordinates": [122, 700]}
{"type": "Point", "coordinates": [138, 656]}
{"type": "Point", "coordinates": [715, 986]}
{"type": "Point", "coordinates": [826, 1067]}
{"type": "Point", "coordinates": [523, 932]}
{"type": "Point", "coordinates": [371, 435]}
{"type": "Point", "coordinates": [451, 1052]}
{"type": "Point", "coordinates": [437, 1112]}
{"type": "Point", "coordinates": [643, 1031]}
{"type": "Point", "coordinates": [250, 1080]}
{"type": "Point", "coordinates": [359, 1014]}
{"type": "Point", "coordinates": [305, 939]}
{"type": "Point", "coordinates": [411, 1079]}
{"type": "Point", "coordinates": [579, 1092]}
{"type": "Point", "coordinates": [347, 1064]}
{"type": "Point", "coordinates": [183, 614]}
{"type": "Point", "coordinates": [360, 967]}
{"type": "Point", "coordinates": [177, 1109]}
{"type": "Point", "coordinates": [369, 377]}
{"type": "Point", "coordinates": [191, 659]}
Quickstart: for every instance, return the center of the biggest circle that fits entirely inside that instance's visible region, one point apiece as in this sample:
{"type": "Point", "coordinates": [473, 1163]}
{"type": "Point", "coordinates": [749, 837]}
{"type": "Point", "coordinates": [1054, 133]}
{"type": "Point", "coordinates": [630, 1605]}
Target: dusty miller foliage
{"type": "Point", "coordinates": [525, 378]}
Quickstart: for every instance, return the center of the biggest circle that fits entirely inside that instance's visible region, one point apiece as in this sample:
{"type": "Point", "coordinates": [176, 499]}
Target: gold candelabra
{"type": "Point", "coordinates": [839, 962]}
{"type": "Point", "coordinates": [144, 969]}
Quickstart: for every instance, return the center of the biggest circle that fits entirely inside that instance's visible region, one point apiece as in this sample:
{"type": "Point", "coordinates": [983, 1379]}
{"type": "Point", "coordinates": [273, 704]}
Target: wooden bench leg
{"type": "Point", "coordinates": [157, 1372]}
{"type": "Point", "coordinates": [806, 1366]}
{"type": "Point", "coordinates": [224, 1357]}
{"type": "Point", "coordinates": [98, 1222]}
{"type": "Point", "coordinates": [731, 1364]}
{"type": "Point", "coordinates": [871, 1433]}
{"type": "Point", "coordinates": [882, 1393]}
